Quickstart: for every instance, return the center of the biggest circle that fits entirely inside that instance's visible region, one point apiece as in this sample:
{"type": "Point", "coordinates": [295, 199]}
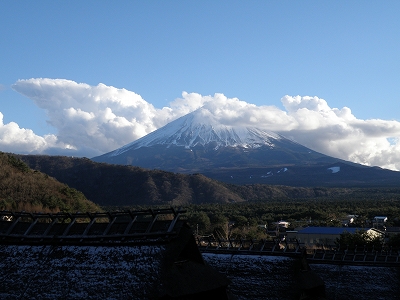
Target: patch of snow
{"type": "Point", "coordinates": [269, 174]}
{"type": "Point", "coordinates": [282, 170]}
{"type": "Point", "coordinates": [334, 169]}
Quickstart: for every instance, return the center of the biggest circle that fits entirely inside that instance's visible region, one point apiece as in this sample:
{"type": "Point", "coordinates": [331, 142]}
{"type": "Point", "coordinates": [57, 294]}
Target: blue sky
{"type": "Point", "coordinates": [344, 52]}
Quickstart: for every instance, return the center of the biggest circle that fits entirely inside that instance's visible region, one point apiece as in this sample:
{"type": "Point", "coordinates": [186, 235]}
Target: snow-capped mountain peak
{"type": "Point", "coordinates": [201, 141]}
{"type": "Point", "coordinates": [200, 128]}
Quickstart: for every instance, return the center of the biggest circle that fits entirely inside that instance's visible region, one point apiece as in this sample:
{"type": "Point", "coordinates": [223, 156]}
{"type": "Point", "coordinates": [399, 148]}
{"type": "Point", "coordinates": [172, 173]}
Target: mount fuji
{"type": "Point", "coordinates": [199, 143]}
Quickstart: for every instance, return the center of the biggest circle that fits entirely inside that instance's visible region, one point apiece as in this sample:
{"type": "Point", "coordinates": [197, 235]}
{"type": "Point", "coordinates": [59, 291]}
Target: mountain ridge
{"type": "Point", "coordinates": [198, 142]}
{"type": "Point", "coordinates": [121, 186]}
{"type": "Point", "coordinates": [234, 154]}
{"type": "Point", "coordinates": [201, 128]}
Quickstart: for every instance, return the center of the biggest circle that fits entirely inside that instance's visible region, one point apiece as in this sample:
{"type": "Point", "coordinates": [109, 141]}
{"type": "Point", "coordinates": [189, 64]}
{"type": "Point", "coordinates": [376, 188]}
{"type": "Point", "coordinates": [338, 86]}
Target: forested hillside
{"type": "Point", "coordinates": [117, 185]}
{"type": "Point", "coordinates": [23, 189]}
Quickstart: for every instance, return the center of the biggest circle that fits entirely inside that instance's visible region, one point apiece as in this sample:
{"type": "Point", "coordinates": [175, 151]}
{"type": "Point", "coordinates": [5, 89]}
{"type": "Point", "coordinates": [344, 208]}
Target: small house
{"type": "Point", "coordinates": [282, 224]}
{"type": "Point", "coordinates": [348, 220]}
{"type": "Point", "coordinates": [379, 222]}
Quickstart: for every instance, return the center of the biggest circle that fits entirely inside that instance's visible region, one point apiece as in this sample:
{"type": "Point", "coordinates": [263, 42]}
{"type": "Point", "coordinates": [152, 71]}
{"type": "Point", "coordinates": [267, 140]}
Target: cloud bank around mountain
{"type": "Point", "coordinates": [92, 120]}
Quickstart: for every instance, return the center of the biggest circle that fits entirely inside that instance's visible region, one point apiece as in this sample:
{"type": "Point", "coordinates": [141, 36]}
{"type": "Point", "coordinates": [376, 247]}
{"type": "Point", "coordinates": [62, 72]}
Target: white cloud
{"type": "Point", "coordinates": [91, 120]}
{"type": "Point", "coordinates": [97, 118]}
{"type": "Point", "coordinates": [340, 134]}
{"type": "Point", "coordinates": [19, 140]}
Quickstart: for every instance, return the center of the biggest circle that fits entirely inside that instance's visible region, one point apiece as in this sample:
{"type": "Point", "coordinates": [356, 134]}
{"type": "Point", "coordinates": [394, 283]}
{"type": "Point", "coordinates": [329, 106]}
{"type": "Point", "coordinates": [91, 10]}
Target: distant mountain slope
{"type": "Point", "coordinates": [339, 174]}
{"type": "Point", "coordinates": [198, 143]}
{"type": "Point", "coordinates": [21, 188]}
{"type": "Point", "coordinates": [115, 185]}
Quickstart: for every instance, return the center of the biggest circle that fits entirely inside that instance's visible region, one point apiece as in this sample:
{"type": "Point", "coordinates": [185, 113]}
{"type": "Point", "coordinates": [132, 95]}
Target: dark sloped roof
{"type": "Point", "coordinates": [121, 255]}
{"type": "Point", "coordinates": [330, 230]}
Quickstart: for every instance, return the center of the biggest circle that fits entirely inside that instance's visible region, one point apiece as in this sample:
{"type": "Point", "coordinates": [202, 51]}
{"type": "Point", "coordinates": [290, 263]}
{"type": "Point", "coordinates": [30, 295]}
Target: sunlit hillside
{"type": "Point", "coordinates": [23, 189]}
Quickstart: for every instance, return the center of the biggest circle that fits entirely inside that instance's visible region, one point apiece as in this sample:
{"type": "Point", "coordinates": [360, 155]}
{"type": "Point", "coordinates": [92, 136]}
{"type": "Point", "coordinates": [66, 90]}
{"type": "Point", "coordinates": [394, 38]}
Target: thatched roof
{"type": "Point", "coordinates": [123, 255]}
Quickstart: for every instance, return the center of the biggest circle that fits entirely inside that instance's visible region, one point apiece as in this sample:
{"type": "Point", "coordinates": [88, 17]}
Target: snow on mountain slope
{"type": "Point", "coordinates": [334, 169]}
{"type": "Point", "coordinates": [200, 128]}
{"type": "Point", "coordinates": [201, 143]}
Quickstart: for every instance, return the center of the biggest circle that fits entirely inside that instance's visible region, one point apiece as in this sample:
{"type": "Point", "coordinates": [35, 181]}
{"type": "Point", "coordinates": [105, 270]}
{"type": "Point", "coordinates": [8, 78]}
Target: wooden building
{"type": "Point", "coordinates": [148, 254]}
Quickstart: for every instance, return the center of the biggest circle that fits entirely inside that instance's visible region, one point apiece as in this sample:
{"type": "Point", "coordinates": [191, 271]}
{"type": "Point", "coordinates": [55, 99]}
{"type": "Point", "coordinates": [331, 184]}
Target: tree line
{"type": "Point", "coordinates": [253, 220]}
